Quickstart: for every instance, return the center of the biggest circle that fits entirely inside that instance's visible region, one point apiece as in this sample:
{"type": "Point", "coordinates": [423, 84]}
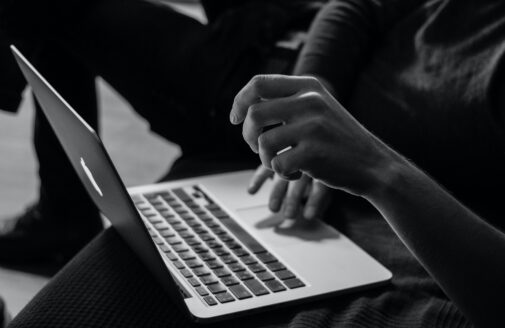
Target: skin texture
{"type": "Point", "coordinates": [460, 250]}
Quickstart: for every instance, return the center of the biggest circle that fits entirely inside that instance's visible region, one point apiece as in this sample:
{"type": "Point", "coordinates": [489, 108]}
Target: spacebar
{"type": "Point", "coordinates": [242, 235]}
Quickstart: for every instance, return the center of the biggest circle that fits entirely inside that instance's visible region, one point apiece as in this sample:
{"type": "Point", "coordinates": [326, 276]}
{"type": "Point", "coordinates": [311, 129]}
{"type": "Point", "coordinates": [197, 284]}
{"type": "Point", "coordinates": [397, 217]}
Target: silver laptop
{"type": "Point", "coordinates": [217, 251]}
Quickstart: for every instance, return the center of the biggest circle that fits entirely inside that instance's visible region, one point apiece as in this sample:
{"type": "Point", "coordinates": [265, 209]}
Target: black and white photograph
{"type": "Point", "coordinates": [252, 163]}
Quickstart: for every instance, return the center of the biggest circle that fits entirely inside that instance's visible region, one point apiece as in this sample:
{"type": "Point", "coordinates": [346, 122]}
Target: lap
{"type": "Point", "coordinates": [106, 285]}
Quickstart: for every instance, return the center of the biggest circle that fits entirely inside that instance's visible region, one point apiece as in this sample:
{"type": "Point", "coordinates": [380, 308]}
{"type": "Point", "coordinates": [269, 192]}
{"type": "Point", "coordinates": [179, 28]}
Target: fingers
{"type": "Point", "coordinates": [265, 114]}
{"type": "Point", "coordinates": [318, 201]}
{"type": "Point", "coordinates": [275, 141]}
{"type": "Point", "coordinates": [260, 176]}
{"type": "Point", "coordinates": [295, 196]}
{"type": "Point", "coordinates": [268, 87]}
{"type": "Point", "coordinates": [277, 194]}
{"type": "Point", "coordinates": [288, 163]}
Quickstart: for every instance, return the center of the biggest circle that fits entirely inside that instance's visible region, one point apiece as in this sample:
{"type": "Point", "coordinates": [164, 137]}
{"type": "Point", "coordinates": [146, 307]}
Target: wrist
{"type": "Point", "coordinates": [386, 176]}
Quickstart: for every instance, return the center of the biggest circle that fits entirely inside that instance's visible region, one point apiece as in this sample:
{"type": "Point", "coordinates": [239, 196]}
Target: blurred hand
{"type": "Point", "coordinates": [305, 196]}
{"type": "Point", "coordinates": [312, 133]}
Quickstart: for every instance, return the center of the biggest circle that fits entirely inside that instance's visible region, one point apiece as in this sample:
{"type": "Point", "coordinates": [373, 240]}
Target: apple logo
{"type": "Point", "coordinates": [90, 177]}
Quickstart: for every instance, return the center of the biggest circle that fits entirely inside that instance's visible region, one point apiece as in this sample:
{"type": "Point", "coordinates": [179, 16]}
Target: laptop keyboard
{"type": "Point", "coordinates": [222, 261]}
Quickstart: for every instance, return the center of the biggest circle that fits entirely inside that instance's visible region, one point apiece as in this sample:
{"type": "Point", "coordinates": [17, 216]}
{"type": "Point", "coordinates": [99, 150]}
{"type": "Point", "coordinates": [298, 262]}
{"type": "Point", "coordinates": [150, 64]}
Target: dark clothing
{"type": "Point", "coordinates": [180, 75]}
{"type": "Point", "coordinates": [107, 286]}
{"type": "Point", "coordinates": [427, 77]}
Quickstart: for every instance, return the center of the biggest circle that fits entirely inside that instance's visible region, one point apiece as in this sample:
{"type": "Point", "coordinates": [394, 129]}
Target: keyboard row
{"type": "Point", "coordinates": [212, 261]}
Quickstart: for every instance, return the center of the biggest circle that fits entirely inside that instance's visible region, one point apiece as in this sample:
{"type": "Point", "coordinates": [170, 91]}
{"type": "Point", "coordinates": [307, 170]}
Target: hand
{"type": "Point", "coordinates": [314, 134]}
{"type": "Point", "coordinates": [304, 196]}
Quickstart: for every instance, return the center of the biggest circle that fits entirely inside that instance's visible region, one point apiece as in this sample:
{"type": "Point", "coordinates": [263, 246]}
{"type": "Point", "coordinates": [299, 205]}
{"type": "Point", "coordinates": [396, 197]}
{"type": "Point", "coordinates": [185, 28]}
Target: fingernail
{"type": "Point", "coordinates": [310, 212]}
{"type": "Point", "coordinates": [290, 211]}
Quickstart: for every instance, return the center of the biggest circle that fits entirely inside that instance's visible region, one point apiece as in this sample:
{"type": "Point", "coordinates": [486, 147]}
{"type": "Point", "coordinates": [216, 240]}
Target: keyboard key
{"type": "Point", "coordinates": [214, 244]}
{"type": "Point", "coordinates": [198, 211]}
{"type": "Point", "coordinates": [219, 214]}
{"type": "Point", "coordinates": [214, 264]}
{"type": "Point", "coordinates": [186, 256]}
{"type": "Point", "coordinates": [186, 273]}
{"type": "Point", "coordinates": [256, 268]}
{"type": "Point", "coordinates": [167, 233]}
{"type": "Point", "coordinates": [161, 226]}
{"type": "Point", "coordinates": [229, 281]}
{"type": "Point", "coordinates": [202, 291]}
{"type": "Point", "coordinates": [173, 221]}
{"type": "Point", "coordinates": [266, 257]}
{"type": "Point", "coordinates": [188, 216]}
{"type": "Point", "coordinates": [218, 231]}
{"type": "Point", "coordinates": [180, 228]}
{"type": "Point", "coordinates": [249, 260]}
{"type": "Point", "coordinates": [173, 240]}
{"type": "Point", "coordinates": [207, 257]}
{"type": "Point", "coordinates": [167, 214]}
{"type": "Point", "coordinates": [216, 288]}
{"type": "Point", "coordinates": [207, 237]}
{"type": "Point", "coordinates": [232, 244]}
{"type": "Point", "coordinates": [213, 207]}
{"type": "Point", "coordinates": [222, 272]}
{"type": "Point", "coordinates": [256, 287]}
{"type": "Point", "coordinates": [294, 283]}
{"type": "Point", "coordinates": [158, 241]}
{"type": "Point", "coordinates": [194, 282]}
{"type": "Point", "coordinates": [193, 242]}
{"type": "Point", "coordinates": [226, 238]}
{"type": "Point", "coordinates": [212, 224]}
{"type": "Point", "coordinates": [225, 297]}
{"type": "Point", "coordinates": [208, 280]}
{"type": "Point", "coordinates": [265, 276]}
{"type": "Point", "coordinates": [228, 259]}
{"type": "Point", "coordinates": [244, 275]}
{"type": "Point", "coordinates": [210, 300]}
{"type": "Point", "coordinates": [201, 271]}
{"type": "Point", "coordinates": [221, 252]}
{"type": "Point", "coordinates": [205, 217]}
{"type": "Point", "coordinates": [179, 265]}
{"type": "Point", "coordinates": [186, 235]}
{"type": "Point", "coordinates": [275, 286]}
{"type": "Point", "coordinates": [240, 292]}
{"type": "Point", "coordinates": [179, 192]}
{"type": "Point", "coordinates": [180, 248]}
{"type": "Point", "coordinates": [200, 231]}
{"type": "Point", "coordinates": [194, 264]}
{"type": "Point", "coordinates": [240, 252]}
{"type": "Point", "coordinates": [200, 249]}
{"type": "Point", "coordinates": [276, 266]}
{"type": "Point", "coordinates": [171, 256]}
{"type": "Point", "coordinates": [284, 274]}
{"type": "Point", "coordinates": [165, 248]}
{"type": "Point", "coordinates": [193, 224]}
{"type": "Point", "coordinates": [236, 267]}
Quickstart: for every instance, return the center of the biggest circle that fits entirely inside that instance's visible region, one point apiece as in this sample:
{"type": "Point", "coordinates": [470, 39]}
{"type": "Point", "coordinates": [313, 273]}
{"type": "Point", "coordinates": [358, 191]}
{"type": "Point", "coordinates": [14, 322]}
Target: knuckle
{"type": "Point", "coordinates": [256, 81]}
{"type": "Point", "coordinates": [314, 83]}
{"type": "Point", "coordinates": [264, 142]}
{"type": "Point", "coordinates": [254, 113]}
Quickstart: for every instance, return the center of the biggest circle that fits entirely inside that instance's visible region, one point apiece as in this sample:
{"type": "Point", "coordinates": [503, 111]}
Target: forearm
{"type": "Point", "coordinates": [463, 253]}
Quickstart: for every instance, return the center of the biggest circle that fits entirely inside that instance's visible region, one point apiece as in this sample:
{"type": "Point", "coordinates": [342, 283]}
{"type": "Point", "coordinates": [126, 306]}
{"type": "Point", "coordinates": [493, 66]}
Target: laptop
{"type": "Point", "coordinates": [217, 251]}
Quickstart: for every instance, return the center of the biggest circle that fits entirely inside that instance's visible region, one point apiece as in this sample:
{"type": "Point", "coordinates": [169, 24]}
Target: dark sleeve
{"type": "Point", "coordinates": [343, 36]}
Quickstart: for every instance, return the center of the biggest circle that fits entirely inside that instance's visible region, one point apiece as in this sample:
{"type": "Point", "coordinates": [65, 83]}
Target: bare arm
{"type": "Point", "coordinates": [464, 254]}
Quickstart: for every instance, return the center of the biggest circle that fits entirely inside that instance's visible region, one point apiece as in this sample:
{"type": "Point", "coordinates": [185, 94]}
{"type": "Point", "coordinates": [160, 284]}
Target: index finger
{"type": "Point", "coordinates": [266, 87]}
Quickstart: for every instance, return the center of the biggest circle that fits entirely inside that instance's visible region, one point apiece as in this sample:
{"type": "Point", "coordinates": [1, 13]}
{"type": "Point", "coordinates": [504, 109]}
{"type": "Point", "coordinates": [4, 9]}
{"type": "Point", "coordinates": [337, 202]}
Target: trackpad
{"type": "Point", "coordinates": [276, 230]}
